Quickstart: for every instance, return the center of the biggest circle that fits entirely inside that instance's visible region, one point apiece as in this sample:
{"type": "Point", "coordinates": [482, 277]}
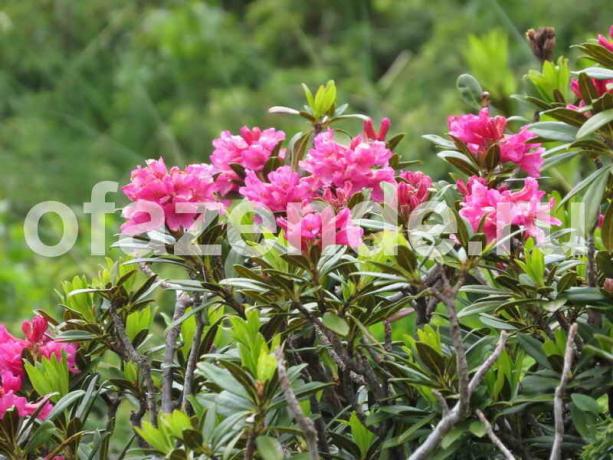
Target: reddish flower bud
{"type": "Point", "coordinates": [607, 286]}
{"type": "Point", "coordinates": [35, 329]}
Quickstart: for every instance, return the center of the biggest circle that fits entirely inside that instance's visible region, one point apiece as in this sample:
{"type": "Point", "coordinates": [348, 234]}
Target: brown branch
{"type": "Point", "coordinates": [131, 354]}
{"type": "Point", "coordinates": [495, 439]}
{"type": "Point", "coordinates": [183, 301]}
{"type": "Point", "coordinates": [306, 424]}
{"type": "Point", "coordinates": [403, 313]}
{"type": "Point", "coordinates": [558, 402]}
{"type": "Point", "coordinates": [489, 362]}
{"type": "Point", "coordinates": [192, 361]}
{"type": "Point", "coordinates": [458, 413]}
{"type": "Point", "coordinates": [146, 269]}
{"type": "Point", "coordinates": [447, 296]}
{"type": "Point", "coordinates": [388, 335]}
{"type": "Point", "coordinates": [441, 402]}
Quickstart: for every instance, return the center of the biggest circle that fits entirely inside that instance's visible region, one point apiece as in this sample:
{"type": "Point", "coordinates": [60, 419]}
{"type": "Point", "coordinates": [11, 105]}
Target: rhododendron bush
{"type": "Point", "coordinates": [315, 295]}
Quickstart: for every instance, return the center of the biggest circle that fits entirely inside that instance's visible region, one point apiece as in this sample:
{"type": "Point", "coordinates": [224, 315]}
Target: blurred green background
{"type": "Point", "coordinates": [89, 89]}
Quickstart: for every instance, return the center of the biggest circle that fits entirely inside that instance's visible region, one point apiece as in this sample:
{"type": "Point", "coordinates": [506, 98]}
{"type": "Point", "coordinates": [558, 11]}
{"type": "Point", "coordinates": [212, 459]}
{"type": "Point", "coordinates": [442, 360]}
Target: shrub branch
{"type": "Point", "coordinates": [558, 402]}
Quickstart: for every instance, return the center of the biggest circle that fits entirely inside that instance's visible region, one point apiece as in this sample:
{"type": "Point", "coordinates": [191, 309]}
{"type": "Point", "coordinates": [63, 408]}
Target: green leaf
{"type": "Point", "coordinates": [49, 376]}
{"type": "Point", "coordinates": [477, 428]}
{"type": "Point", "coordinates": [452, 436]}
{"type": "Point", "coordinates": [595, 122]}
{"type": "Point", "coordinates": [460, 161]}
{"type": "Point", "coordinates": [361, 435]}
{"type": "Point", "coordinates": [554, 130]}
{"type": "Point", "coordinates": [156, 438]}
{"type": "Point", "coordinates": [269, 448]}
{"type": "Point", "coordinates": [408, 434]}
{"type": "Point", "coordinates": [593, 199]}
{"type": "Point", "coordinates": [599, 73]}
{"type": "Point", "coordinates": [267, 365]}
{"type": "Point", "coordinates": [534, 348]}
{"type": "Point", "coordinates": [470, 90]}
{"type": "Point", "coordinates": [335, 323]}
{"type": "Point", "coordinates": [583, 184]}
{"type": "Point", "coordinates": [585, 403]}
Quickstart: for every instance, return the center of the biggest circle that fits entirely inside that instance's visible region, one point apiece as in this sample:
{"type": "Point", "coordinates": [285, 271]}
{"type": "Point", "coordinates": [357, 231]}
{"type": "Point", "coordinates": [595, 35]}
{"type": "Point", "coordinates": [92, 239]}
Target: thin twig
{"type": "Point", "coordinates": [192, 361]}
{"type": "Point", "coordinates": [403, 313]}
{"type": "Point", "coordinates": [447, 296]}
{"type": "Point", "coordinates": [489, 362]}
{"type": "Point", "coordinates": [495, 439]}
{"type": "Point", "coordinates": [146, 269]}
{"type": "Point", "coordinates": [558, 402]}
{"type": "Point", "coordinates": [388, 335]}
{"type": "Point", "coordinates": [183, 301]}
{"type": "Point", "coordinates": [131, 354]}
{"type": "Point", "coordinates": [306, 424]}
{"type": "Point", "coordinates": [458, 413]}
{"type": "Point", "coordinates": [441, 402]}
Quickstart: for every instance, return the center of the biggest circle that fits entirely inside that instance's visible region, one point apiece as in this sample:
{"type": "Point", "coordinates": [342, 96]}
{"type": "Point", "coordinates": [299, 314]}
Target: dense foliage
{"type": "Point", "coordinates": [330, 302]}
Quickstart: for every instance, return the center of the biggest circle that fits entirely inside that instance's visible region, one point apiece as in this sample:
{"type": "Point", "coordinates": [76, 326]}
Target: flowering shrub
{"type": "Point", "coordinates": [333, 301]}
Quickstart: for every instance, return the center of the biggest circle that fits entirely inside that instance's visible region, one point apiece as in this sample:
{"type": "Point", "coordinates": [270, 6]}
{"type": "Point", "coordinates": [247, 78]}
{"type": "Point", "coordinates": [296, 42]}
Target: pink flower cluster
{"type": "Point", "coordinates": [180, 194]}
{"type": "Point", "coordinates": [324, 227]}
{"type": "Point", "coordinates": [251, 149]}
{"type": "Point", "coordinates": [496, 209]}
{"type": "Point", "coordinates": [334, 174]}
{"type": "Point", "coordinates": [331, 173]}
{"type": "Point", "coordinates": [12, 373]}
{"type": "Point", "coordinates": [284, 186]}
{"type": "Point", "coordinates": [360, 165]}
{"type": "Point", "coordinates": [412, 190]}
{"type": "Point", "coordinates": [166, 188]}
{"type": "Point", "coordinates": [480, 132]}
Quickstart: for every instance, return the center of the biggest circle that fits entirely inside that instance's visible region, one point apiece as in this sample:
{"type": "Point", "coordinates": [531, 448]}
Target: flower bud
{"type": "Point", "coordinates": [607, 286]}
{"type": "Point", "coordinates": [542, 42]}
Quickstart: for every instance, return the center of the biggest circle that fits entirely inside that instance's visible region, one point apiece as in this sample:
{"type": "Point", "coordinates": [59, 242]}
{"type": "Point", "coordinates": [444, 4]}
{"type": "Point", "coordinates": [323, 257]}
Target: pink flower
{"type": "Point", "coordinates": [606, 42]}
{"type": "Point", "coordinates": [498, 208]}
{"type": "Point", "coordinates": [601, 86]}
{"type": "Point", "coordinates": [175, 193]}
{"type": "Point", "coordinates": [284, 186]}
{"type": "Point", "coordinates": [251, 149]}
{"type": "Point", "coordinates": [12, 372]}
{"type": "Point", "coordinates": [337, 197]}
{"type": "Point", "coordinates": [477, 132]}
{"type": "Point", "coordinates": [361, 164]}
{"type": "Point", "coordinates": [35, 329]}
{"type": "Point", "coordinates": [40, 344]}
{"type": "Point", "coordinates": [11, 349]}
{"type": "Point", "coordinates": [480, 132]}
{"type": "Point", "coordinates": [412, 190]}
{"type": "Point", "coordinates": [9, 400]}
{"type": "Point", "coordinates": [321, 228]}
{"type": "Point", "coordinates": [59, 349]}
{"type": "Point", "coordinates": [517, 149]}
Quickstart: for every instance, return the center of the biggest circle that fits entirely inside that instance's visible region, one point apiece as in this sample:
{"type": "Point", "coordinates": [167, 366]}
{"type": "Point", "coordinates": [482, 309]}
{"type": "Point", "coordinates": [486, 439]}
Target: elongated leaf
{"type": "Point", "coordinates": [595, 122]}
{"type": "Point", "coordinates": [554, 130]}
{"type": "Point", "coordinates": [593, 199]}
{"type": "Point", "coordinates": [335, 323]}
{"type": "Point", "coordinates": [583, 184]}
